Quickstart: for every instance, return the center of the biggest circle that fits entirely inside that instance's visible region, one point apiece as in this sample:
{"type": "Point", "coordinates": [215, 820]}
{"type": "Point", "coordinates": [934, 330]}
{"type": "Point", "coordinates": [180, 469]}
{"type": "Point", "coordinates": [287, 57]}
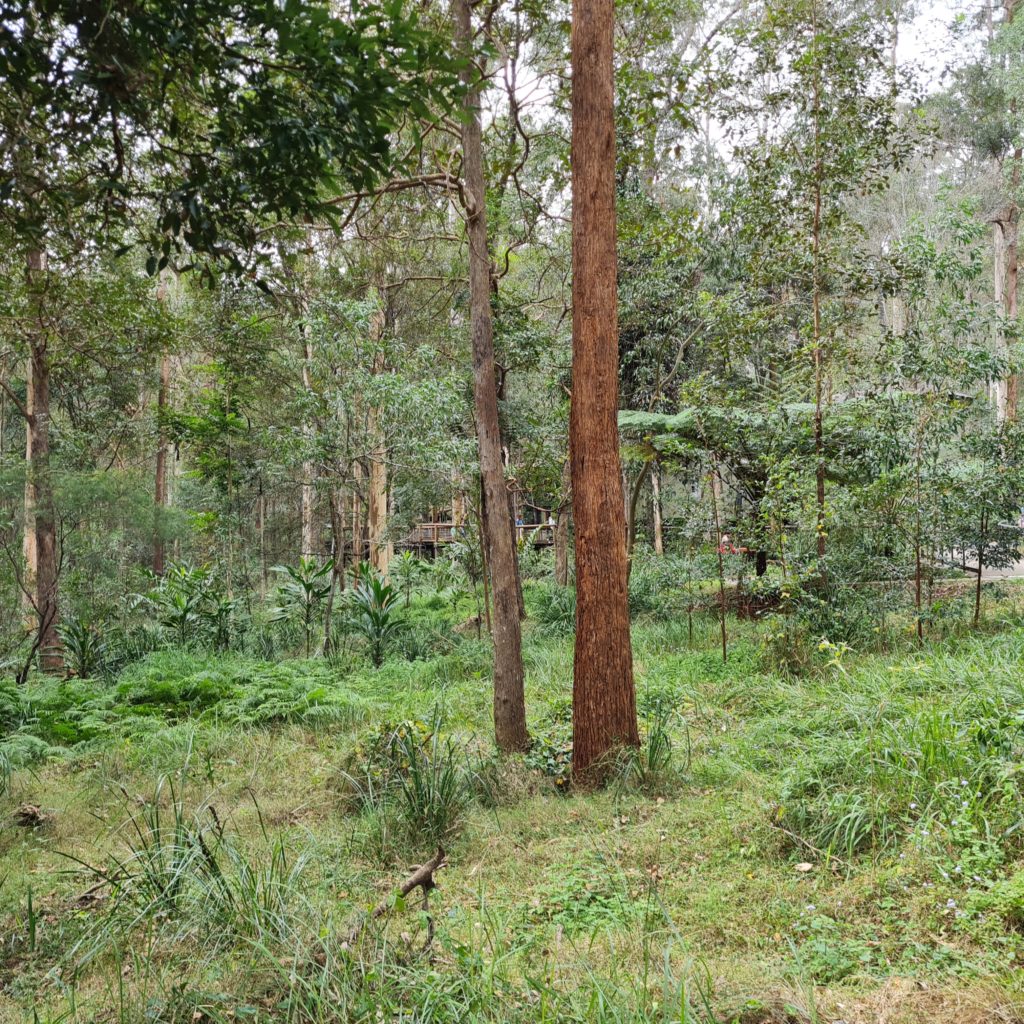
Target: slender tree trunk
{"type": "Point", "coordinates": [160, 475]}
{"type": "Point", "coordinates": [1012, 233]}
{"type": "Point", "coordinates": [981, 565]}
{"type": "Point", "coordinates": [632, 509]}
{"type": "Point", "coordinates": [716, 488]}
{"type": "Point", "coordinates": [40, 513]}
{"type": "Point", "coordinates": [509, 700]}
{"type": "Point", "coordinates": [1010, 227]}
{"type": "Point", "coordinates": [310, 533]}
{"type": "Point", "coordinates": [381, 548]}
{"type": "Point", "coordinates": [337, 567]}
{"type": "Point", "coordinates": [264, 566]}
{"type": "Point", "coordinates": [818, 355]}
{"type": "Point", "coordinates": [485, 571]}
{"type": "Point", "coordinates": [998, 387]}
{"type": "Point", "coordinates": [357, 522]}
{"type": "Point", "coordinates": [659, 536]}
{"type": "Point", "coordinates": [28, 539]}
{"type": "Point", "coordinates": [561, 537]}
{"type": "Point", "coordinates": [604, 697]}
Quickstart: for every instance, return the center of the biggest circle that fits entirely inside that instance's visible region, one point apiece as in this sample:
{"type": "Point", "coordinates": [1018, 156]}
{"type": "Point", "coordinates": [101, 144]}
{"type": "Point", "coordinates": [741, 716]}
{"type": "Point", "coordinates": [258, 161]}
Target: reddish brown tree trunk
{"type": "Point", "coordinates": [509, 700]}
{"type": "Point", "coordinates": [604, 698]}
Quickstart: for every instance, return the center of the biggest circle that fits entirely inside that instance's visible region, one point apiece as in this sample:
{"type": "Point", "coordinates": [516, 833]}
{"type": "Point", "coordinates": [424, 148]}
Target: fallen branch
{"type": "Point", "coordinates": [421, 878]}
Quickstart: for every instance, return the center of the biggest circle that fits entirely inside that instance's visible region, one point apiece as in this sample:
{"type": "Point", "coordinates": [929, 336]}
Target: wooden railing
{"type": "Point", "coordinates": [439, 534]}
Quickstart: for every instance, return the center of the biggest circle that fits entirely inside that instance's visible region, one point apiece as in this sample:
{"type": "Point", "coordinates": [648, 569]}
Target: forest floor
{"type": "Point", "coordinates": [194, 841]}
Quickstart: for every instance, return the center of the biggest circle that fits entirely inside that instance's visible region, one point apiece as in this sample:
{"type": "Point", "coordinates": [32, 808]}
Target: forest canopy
{"type": "Point", "coordinates": [574, 447]}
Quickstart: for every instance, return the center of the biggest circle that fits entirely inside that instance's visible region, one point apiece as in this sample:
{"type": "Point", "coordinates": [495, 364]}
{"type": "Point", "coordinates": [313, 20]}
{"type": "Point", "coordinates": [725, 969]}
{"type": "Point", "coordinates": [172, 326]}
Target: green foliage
{"type": "Point", "coordinates": [181, 865]}
{"type": "Point", "coordinates": [407, 770]}
{"type": "Point", "coordinates": [85, 649]}
{"type": "Point", "coordinates": [301, 595]}
{"type": "Point", "coordinates": [585, 896]}
{"type": "Point", "coordinates": [554, 608]}
{"type": "Point", "coordinates": [650, 766]}
{"type": "Point", "coordinates": [407, 570]}
{"type": "Point", "coordinates": [188, 602]}
{"type": "Point", "coordinates": [322, 91]}
{"type": "Point", "coordinates": [372, 606]}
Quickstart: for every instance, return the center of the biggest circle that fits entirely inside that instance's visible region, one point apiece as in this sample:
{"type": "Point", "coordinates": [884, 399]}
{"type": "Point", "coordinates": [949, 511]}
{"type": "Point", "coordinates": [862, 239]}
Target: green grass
{"type": "Point", "coordinates": [845, 844]}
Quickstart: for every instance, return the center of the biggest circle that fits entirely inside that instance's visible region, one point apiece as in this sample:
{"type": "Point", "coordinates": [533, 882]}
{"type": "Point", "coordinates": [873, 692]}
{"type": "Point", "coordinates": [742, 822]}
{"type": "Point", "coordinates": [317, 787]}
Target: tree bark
{"type": "Point", "coordinates": [561, 537]}
{"type": "Point", "coordinates": [40, 516]}
{"type": "Point", "coordinates": [357, 520]}
{"type": "Point", "coordinates": [1009, 225]}
{"type": "Point", "coordinates": [1011, 229]}
{"type": "Point", "coordinates": [381, 548]}
{"type": "Point", "coordinates": [604, 697]}
{"type": "Point", "coordinates": [659, 534]}
{"type": "Point", "coordinates": [998, 387]}
{"type": "Point", "coordinates": [310, 533]}
{"type": "Point", "coordinates": [509, 699]}
{"type": "Point", "coordinates": [160, 475]}
{"type": "Point", "coordinates": [817, 353]}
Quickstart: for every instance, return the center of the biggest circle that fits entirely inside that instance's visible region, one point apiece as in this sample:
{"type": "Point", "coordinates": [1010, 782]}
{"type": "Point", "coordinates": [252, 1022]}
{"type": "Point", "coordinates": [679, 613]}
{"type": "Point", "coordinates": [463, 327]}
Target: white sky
{"type": "Point", "coordinates": [928, 41]}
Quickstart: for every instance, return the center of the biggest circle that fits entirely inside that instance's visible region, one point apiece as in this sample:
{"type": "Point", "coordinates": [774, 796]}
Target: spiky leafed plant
{"type": "Point", "coordinates": [372, 604]}
{"type": "Point", "coordinates": [300, 595]}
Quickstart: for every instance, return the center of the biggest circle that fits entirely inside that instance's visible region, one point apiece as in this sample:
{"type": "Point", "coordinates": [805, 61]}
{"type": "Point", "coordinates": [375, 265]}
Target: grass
{"type": "Point", "coordinates": [844, 844]}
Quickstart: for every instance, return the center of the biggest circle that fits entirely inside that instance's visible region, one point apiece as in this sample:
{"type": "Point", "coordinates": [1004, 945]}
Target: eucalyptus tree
{"type": "Point", "coordinates": [820, 127]}
{"type": "Point", "coordinates": [209, 121]}
{"type": "Point", "coordinates": [509, 701]}
{"type": "Point", "coordinates": [604, 697]}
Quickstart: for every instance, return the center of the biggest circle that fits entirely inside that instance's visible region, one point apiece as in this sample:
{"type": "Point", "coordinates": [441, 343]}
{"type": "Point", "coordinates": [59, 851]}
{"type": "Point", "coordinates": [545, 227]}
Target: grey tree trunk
{"type": "Point", "coordinates": [509, 699]}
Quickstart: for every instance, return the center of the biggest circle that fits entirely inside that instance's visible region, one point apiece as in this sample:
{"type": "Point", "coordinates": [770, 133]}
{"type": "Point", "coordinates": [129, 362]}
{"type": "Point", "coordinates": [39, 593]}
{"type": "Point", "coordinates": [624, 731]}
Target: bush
{"type": "Point", "coordinates": [408, 771]}
{"type": "Point", "coordinates": [372, 606]}
{"type": "Point", "coordinates": [555, 609]}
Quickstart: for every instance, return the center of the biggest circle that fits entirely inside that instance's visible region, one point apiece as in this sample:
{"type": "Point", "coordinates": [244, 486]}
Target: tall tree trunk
{"type": "Point", "coordinates": [381, 548]}
{"type": "Point", "coordinates": [561, 538]}
{"type": "Point", "coordinates": [818, 354]}
{"type": "Point", "coordinates": [509, 699]}
{"type": "Point", "coordinates": [659, 534]}
{"type": "Point", "coordinates": [1011, 230]}
{"type": "Point", "coordinates": [998, 387]}
{"type": "Point", "coordinates": [1010, 226]}
{"type": "Point", "coordinates": [604, 697]}
{"type": "Point", "coordinates": [160, 475]}
{"type": "Point", "coordinates": [337, 509]}
{"type": "Point", "coordinates": [28, 537]}
{"type": "Point", "coordinates": [262, 528]}
{"type": "Point", "coordinates": [310, 531]}
{"type": "Point", "coordinates": [40, 514]}
{"type": "Point", "coordinates": [357, 519]}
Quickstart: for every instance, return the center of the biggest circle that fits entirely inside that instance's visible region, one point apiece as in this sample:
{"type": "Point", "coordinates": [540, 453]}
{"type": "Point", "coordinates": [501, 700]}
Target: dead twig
{"type": "Point", "coordinates": [421, 878]}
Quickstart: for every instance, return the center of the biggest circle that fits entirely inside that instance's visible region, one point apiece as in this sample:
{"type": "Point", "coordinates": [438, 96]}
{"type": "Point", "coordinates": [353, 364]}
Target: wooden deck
{"type": "Point", "coordinates": [437, 535]}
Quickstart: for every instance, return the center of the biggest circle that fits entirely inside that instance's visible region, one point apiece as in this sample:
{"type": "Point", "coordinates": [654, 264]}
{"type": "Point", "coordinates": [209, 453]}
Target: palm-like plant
{"type": "Point", "coordinates": [178, 599]}
{"type": "Point", "coordinates": [372, 604]}
{"type": "Point", "coordinates": [301, 593]}
{"type": "Point", "coordinates": [84, 647]}
{"type": "Point", "coordinates": [407, 569]}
